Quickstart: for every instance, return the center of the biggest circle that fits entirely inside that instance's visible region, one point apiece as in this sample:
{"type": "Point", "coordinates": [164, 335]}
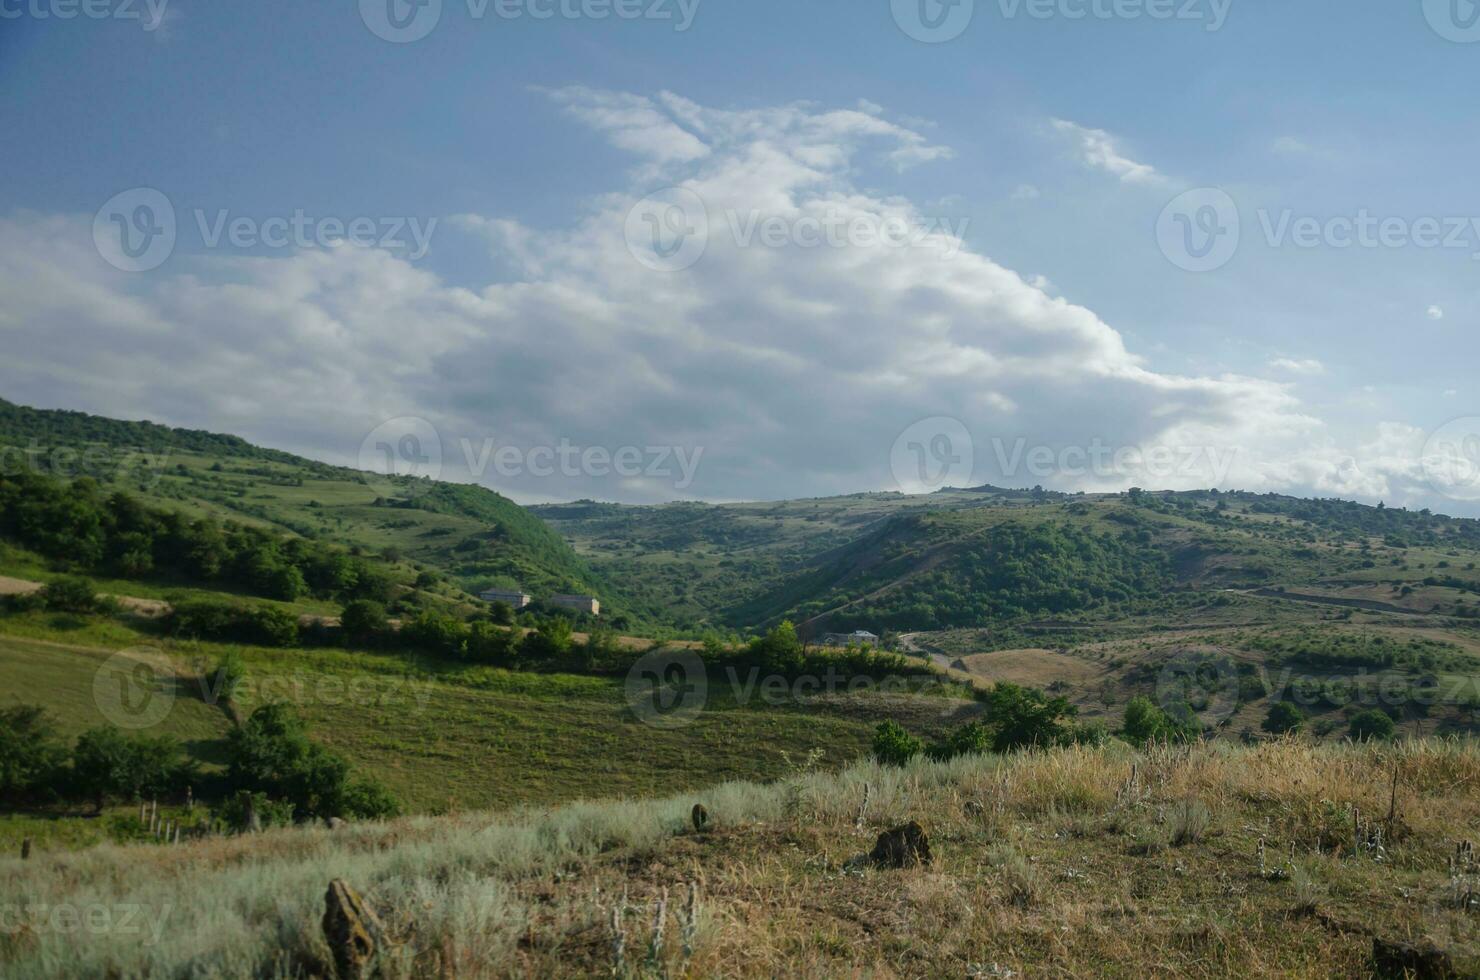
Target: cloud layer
{"type": "Point", "coordinates": [789, 365]}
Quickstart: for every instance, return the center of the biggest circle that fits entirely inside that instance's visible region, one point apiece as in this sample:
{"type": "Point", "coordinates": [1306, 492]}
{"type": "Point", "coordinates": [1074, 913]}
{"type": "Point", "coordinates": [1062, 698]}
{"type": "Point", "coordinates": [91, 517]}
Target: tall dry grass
{"type": "Point", "coordinates": [475, 894]}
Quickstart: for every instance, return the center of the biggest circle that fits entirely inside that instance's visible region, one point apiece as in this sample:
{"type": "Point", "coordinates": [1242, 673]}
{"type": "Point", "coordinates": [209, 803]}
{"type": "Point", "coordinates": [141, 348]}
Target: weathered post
{"type": "Point", "coordinates": [26, 849]}
{"type": "Point", "coordinates": [352, 930]}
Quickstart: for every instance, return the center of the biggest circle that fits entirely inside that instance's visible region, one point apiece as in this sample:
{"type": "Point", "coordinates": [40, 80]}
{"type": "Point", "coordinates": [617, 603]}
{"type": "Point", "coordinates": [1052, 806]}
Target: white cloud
{"type": "Point", "coordinates": [1026, 192]}
{"type": "Point", "coordinates": [1436, 313]}
{"type": "Point", "coordinates": [793, 369]}
{"type": "Point", "coordinates": [1298, 366]}
{"type": "Point", "coordinates": [1098, 149]}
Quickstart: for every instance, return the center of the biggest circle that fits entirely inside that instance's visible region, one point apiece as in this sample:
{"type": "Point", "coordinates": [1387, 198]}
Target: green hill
{"type": "Point", "coordinates": [470, 534]}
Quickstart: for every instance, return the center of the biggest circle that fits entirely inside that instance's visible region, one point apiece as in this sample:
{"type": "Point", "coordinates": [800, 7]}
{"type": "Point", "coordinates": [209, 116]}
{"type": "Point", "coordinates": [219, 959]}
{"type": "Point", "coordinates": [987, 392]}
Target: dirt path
{"type": "Point", "coordinates": [1371, 605]}
{"type": "Point", "coordinates": [144, 607]}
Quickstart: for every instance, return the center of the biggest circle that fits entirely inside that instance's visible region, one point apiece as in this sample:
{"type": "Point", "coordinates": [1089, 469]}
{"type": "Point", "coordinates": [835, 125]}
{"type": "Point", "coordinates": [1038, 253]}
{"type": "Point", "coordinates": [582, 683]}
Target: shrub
{"type": "Point", "coordinates": [436, 634]}
{"type": "Point", "coordinates": [972, 738]}
{"type": "Point", "coordinates": [271, 754]}
{"type": "Point", "coordinates": [1146, 722]}
{"type": "Point", "coordinates": [1283, 718]}
{"type": "Point", "coordinates": [1372, 726]}
{"type": "Point", "coordinates": [490, 644]}
{"type": "Point", "coordinates": [236, 811]}
{"type": "Point", "coordinates": [893, 746]}
{"type": "Point", "coordinates": [213, 619]}
{"type": "Point", "coordinates": [1024, 716]}
{"type": "Point", "coordinates": [363, 621]}
{"type": "Point", "coordinates": [70, 594]}
{"type": "Point", "coordinates": [227, 676]}
{"type": "Point", "coordinates": [551, 640]}
{"type": "Point", "coordinates": [30, 754]}
{"type": "Point", "coordinates": [106, 764]}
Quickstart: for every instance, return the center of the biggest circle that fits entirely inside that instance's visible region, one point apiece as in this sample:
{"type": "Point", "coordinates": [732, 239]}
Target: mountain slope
{"type": "Point", "coordinates": [472, 534]}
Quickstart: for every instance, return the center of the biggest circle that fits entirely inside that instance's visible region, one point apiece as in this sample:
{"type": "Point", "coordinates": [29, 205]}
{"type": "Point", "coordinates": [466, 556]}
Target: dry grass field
{"type": "Point", "coordinates": [1284, 859]}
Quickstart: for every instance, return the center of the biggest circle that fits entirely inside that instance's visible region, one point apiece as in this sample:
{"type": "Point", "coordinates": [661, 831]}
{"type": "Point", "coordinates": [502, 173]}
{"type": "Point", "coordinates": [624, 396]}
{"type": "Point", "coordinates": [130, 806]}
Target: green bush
{"type": "Point", "coordinates": [1284, 718]}
{"type": "Point", "coordinates": [271, 754]}
{"type": "Point", "coordinates": [972, 738]}
{"type": "Point", "coordinates": [1147, 722]}
{"type": "Point", "coordinates": [1371, 726]}
{"type": "Point", "coordinates": [31, 757]}
{"type": "Point", "coordinates": [364, 621]}
{"type": "Point", "coordinates": [436, 634]}
{"type": "Point", "coordinates": [70, 594]}
{"type": "Point", "coordinates": [893, 746]}
{"type": "Point", "coordinates": [106, 765]}
{"type": "Point", "coordinates": [214, 619]}
{"type": "Point", "coordinates": [491, 645]}
{"type": "Point", "coordinates": [1025, 716]}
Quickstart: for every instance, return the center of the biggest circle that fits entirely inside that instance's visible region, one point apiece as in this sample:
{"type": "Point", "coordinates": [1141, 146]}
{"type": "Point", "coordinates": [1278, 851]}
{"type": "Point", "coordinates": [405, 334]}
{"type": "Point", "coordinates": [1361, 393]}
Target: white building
{"type": "Point", "coordinates": [516, 599]}
{"type": "Point", "coordinates": [580, 603]}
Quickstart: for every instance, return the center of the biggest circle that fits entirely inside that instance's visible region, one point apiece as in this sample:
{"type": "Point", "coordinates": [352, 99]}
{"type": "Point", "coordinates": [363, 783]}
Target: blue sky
{"type": "Point", "coordinates": [1051, 144]}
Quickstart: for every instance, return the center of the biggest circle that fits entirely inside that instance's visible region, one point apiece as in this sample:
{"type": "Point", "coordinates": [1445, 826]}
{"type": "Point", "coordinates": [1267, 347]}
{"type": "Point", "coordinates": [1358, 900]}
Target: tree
{"type": "Point", "coordinates": [780, 650]}
{"type": "Point", "coordinates": [436, 634]}
{"type": "Point", "coordinates": [1024, 716]}
{"type": "Point", "coordinates": [972, 738]}
{"type": "Point", "coordinates": [1372, 726]}
{"type": "Point", "coordinates": [30, 755]}
{"type": "Point", "coordinates": [271, 753]}
{"type": "Point", "coordinates": [1284, 718]}
{"type": "Point", "coordinates": [893, 746]}
{"type": "Point", "coordinates": [107, 764]}
{"type": "Point", "coordinates": [1146, 722]}
{"type": "Point", "coordinates": [552, 639]}
{"type": "Point", "coordinates": [490, 644]}
{"type": "Point", "coordinates": [363, 621]}
{"type": "Point", "coordinates": [70, 594]}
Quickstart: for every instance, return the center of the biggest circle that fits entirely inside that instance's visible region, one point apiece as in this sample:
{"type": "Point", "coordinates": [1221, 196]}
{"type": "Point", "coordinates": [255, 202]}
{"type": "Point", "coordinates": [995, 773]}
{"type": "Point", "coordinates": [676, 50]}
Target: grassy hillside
{"type": "Point", "coordinates": [441, 735]}
{"type": "Point", "coordinates": [988, 557]}
{"type": "Point", "coordinates": [1282, 860]}
{"type": "Point", "coordinates": [471, 534]}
